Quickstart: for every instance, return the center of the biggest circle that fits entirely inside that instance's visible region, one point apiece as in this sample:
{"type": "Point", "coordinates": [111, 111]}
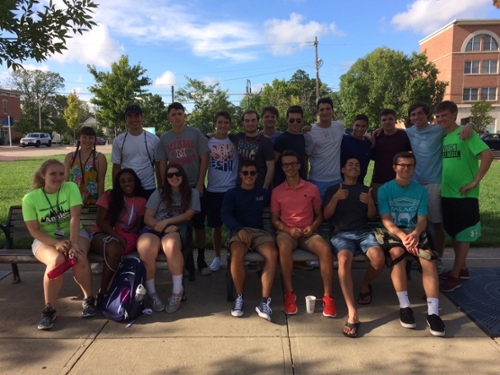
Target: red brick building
{"type": "Point", "coordinates": [10, 105]}
{"type": "Point", "coordinates": [467, 54]}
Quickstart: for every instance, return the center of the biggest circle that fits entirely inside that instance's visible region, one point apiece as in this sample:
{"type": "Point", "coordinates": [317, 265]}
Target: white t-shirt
{"type": "Point", "coordinates": [137, 152]}
{"type": "Point", "coordinates": [222, 165]}
{"type": "Point", "coordinates": [323, 148]}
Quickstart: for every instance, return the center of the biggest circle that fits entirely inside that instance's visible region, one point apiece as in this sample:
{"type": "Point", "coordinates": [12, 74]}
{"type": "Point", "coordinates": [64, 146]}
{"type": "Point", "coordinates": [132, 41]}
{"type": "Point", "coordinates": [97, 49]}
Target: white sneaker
{"type": "Point", "coordinates": [174, 302]}
{"type": "Point", "coordinates": [314, 263]}
{"type": "Point", "coordinates": [156, 303]}
{"type": "Point", "coordinates": [216, 263]}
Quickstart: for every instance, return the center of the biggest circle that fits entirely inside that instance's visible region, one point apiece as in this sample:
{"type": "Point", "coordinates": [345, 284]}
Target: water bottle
{"type": "Point", "coordinates": [60, 269]}
{"type": "Point", "coordinates": [140, 292]}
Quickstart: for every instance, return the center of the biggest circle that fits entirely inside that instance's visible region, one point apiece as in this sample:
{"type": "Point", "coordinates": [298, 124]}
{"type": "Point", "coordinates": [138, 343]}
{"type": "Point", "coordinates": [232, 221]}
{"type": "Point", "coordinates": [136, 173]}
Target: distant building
{"type": "Point", "coordinates": [10, 105]}
{"type": "Point", "coordinates": [467, 55]}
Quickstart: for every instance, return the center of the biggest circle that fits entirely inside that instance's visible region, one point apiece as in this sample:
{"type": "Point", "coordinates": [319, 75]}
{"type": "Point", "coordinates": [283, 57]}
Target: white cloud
{"type": "Point", "coordinates": [209, 81]}
{"type": "Point", "coordinates": [286, 35]}
{"type": "Point", "coordinates": [346, 65]}
{"type": "Point", "coordinates": [258, 87]}
{"type": "Point", "coordinates": [42, 67]}
{"type": "Point", "coordinates": [166, 79]}
{"type": "Point", "coordinates": [425, 16]}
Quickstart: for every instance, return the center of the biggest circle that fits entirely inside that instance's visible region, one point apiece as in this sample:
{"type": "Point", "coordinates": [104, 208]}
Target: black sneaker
{"type": "Point", "coordinates": [436, 325]}
{"type": "Point", "coordinates": [406, 318]}
{"type": "Point", "coordinates": [48, 316]}
{"type": "Point", "coordinates": [88, 307]}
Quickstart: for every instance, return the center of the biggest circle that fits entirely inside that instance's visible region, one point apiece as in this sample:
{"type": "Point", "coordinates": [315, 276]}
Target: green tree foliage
{"type": "Point", "coordinates": [389, 79]}
{"type": "Point", "coordinates": [31, 31]}
{"type": "Point", "coordinates": [38, 88]}
{"type": "Point", "coordinates": [73, 113]}
{"type": "Point", "coordinates": [117, 89]}
{"type": "Point", "coordinates": [207, 100]}
{"type": "Point", "coordinates": [480, 115]}
{"type": "Point", "coordinates": [155, 113]}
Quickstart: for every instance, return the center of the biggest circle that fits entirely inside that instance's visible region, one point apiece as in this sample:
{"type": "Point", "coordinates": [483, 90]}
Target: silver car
{"type": "Point", "coordinates": [36, 139]}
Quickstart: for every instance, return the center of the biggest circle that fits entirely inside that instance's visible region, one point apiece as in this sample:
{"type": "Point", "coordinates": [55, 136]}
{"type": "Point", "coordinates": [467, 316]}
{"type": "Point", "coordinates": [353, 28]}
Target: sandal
{"type": "Point", "coordinates": [362, 296]}
{"type": "Point", "coordinates": [351, 326]}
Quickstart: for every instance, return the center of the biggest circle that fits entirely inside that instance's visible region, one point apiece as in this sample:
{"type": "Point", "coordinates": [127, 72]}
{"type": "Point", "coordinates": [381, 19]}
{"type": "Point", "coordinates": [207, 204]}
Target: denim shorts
{"type": "Point", "coordinates": [357, 242]}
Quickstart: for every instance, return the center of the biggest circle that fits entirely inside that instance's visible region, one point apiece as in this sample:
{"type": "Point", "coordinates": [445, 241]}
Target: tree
{"type": "Point", "coordinates": [389, 79]}
{"type": "Point", "coordinates": [27, 33]}
{"type": "Point", "coordinates": [73, 113]}
{"type": "Point", "coordinates": [155, 113]}
{"type": "Point", "coordinates": [38, 91]}
{"type": "Point", "coordinates": [117, 89]}
{"type": "Point", "coordinates": [480, 115]}
{"type": "Point", "coordinates": [208, 100]}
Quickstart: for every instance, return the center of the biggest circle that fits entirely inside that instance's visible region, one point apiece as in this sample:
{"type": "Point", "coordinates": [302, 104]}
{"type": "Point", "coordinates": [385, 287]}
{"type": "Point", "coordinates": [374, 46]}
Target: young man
{"type": "Point", "coordinates": [323, 148]}
{"type": "Point", "coordinates": [270, 117]}
{"type": "Point", "coordinates": [460, 190]}
{"type": "Point", "coordinates": [136, 149]}
{"type": "Point", "coordinates": [186, 146]}
{"type": "Point", "coordinates": [291, 139]}
{"type": "Point", "coordinates": [403, 209]}
{"type": "Point", "coordinates": [254, 146]}
{"type": "Point", "coordinates": [242, 213]}
{"type": "Point", "coordinates": [296, 214]}
{"type": "Point", "coordinates": [356, 144]}
{"type": "Point", "coordinates": [222, 175]}
{"type": "Point", "coordinates": [349, 206]}
{"type": "Point", "coordinates": [389, 142]}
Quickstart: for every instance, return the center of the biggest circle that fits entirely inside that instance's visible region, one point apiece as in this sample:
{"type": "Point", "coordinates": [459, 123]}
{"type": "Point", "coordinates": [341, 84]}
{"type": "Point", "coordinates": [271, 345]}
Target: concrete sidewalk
{"type": "Point", "coordinates": [203, 338]}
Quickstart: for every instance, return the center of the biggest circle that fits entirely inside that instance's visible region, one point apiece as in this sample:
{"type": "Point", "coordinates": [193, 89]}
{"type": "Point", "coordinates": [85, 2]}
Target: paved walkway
{"type": "Point", "coordinates": [203, 338]}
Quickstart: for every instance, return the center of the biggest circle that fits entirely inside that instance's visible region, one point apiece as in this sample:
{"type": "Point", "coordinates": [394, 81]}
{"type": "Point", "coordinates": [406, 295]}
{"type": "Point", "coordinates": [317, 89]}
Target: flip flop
{"type": "Point", "coordinates": [351, 326]}
{"type": "Point", "coordinates": [364, 295]}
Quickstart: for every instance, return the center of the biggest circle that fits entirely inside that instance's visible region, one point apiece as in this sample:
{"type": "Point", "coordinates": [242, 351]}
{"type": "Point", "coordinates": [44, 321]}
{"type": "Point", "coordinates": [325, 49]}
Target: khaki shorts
{"type": "Point", "coordinates": [434, 208]}
{"type": "Point", "coordinates": [257, 236]}
{"type": "Point", "coordinates": [301, 242]}
{"type": "Point", "coordinates": [36, 244]}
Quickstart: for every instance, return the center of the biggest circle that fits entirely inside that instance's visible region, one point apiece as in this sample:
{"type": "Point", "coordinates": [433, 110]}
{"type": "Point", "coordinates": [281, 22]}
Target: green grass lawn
{"type": "Point", "coordinates": [16, 178]}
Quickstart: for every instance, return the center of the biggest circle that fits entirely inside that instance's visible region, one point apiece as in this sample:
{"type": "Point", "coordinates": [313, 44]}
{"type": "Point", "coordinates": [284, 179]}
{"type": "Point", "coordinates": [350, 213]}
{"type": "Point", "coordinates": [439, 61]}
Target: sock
{"type": "Point", "coordinates": [433, 306]}
{"type": "Point", "coordinates": [201, 253]}
{"type": "Point", "coordinates": [404, 301]}
{"type": "Point", "coordinates": [177, 281]}
{"type": "Point", "coordinates": [150, 286]}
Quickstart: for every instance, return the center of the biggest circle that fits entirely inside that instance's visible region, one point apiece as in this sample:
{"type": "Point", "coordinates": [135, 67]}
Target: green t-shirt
{"type": "Point", "coordinates": [36, 207]}
{"type": "Point", "coordinates": [460, 164]}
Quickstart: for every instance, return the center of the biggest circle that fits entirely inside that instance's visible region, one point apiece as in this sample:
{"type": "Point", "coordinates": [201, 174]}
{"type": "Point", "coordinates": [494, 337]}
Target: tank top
{"type": "Point", "coordinates": [85, 177]}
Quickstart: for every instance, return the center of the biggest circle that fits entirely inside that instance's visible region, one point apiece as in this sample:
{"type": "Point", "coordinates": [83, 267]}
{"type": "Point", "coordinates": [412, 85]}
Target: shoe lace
{"type": "Point", "coordinates": [238, 304]}
{"type": "Point", "coordinates": [174, 299]}
{"type": "Point", "coordinates": [264, 307]}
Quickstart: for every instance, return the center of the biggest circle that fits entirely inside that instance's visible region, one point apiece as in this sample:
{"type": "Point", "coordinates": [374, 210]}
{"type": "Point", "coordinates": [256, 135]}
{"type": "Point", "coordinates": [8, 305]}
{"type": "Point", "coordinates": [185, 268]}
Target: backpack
{"type": "Point", "coordinates": [119, 303]}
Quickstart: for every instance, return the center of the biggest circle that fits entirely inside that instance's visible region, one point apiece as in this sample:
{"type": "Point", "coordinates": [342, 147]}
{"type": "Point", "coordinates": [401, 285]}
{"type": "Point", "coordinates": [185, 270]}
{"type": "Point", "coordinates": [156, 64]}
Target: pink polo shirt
{"type": "Point", "coordinates": [296, 204]}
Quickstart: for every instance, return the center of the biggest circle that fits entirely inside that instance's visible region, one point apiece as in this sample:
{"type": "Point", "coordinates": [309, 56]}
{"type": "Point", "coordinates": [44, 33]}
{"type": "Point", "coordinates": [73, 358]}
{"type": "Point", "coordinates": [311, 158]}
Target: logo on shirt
{"type": "Point", "coordinates": [261, 198]}
{"type": "Point", "coordinates": [451, 151]}
{"type": "Point", "coordinates": [404, 211]}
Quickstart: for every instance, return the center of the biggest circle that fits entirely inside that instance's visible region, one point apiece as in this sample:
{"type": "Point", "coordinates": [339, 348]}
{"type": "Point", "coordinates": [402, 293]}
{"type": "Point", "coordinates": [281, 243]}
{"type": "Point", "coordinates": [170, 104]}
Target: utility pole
{"type": "Point", "coordinates": [318, 62]}
{"type": "Point", "coordinates": [249, 92]}
{"type": "Point", "coordinates": [39, 113]}
{"type": "Point", "coordinates": [173, 98]}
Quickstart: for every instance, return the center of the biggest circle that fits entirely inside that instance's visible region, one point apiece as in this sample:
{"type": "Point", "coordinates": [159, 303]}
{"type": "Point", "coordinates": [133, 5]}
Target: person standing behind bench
{"type": "Point", "coordinates": [296, 214]}
{"type": "Point", "coordinates": [52, 215]}
{"type": "Point", "coordinates": [241, 211]}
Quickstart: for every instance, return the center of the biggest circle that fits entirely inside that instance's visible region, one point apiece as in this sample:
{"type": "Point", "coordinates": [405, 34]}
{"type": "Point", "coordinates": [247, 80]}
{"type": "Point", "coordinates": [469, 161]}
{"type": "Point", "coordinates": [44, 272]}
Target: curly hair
{"type": "Point", "coordinates": [184, 188]}
{"type": "Point", "coordinates": [38, 180]}
{"type": "Point", "coordinates": [116, 196]}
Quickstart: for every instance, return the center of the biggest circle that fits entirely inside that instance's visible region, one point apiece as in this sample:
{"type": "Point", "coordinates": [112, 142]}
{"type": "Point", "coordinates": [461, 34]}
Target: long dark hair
{"type": "Point", "coordinates": [184, 188]}
{"type": "Point", "coordinates": [116, 196]}
{"type": "Point", "coordinates": [85, 130]}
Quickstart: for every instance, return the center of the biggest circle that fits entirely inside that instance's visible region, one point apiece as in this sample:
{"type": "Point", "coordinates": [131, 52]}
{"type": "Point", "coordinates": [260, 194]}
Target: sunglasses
{"type": "Point", "coordinates": [292, 120]}
{"type": "Point", "coordinates": [252, 173]}
{"type": "Point", "coordinates": [176, 174]}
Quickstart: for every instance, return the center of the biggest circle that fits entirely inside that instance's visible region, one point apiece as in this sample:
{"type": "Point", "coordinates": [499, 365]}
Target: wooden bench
{"type": "Point", "coordinates": [15, 229]}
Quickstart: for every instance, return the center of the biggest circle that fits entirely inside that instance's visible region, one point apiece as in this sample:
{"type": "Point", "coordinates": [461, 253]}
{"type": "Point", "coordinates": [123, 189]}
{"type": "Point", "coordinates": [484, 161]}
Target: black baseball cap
{"type": "Point", "coordinates": [133, 108]}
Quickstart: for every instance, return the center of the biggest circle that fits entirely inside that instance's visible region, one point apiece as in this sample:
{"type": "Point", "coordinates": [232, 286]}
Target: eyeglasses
{"type": "Point", "coordinates": [292, 120]}
{"type": "Point", "coordinates": [409, 166]}
{"type": "Point", "coordinates": [290, 165]}
{"type": "Point", "coordinates": [176, 174]}
{"type": "Point", "coordinates": [252, 173]}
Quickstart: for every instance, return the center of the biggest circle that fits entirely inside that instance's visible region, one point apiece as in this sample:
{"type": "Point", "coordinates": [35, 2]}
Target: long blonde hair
{"type": "Point", "coordinates": [38, 180]}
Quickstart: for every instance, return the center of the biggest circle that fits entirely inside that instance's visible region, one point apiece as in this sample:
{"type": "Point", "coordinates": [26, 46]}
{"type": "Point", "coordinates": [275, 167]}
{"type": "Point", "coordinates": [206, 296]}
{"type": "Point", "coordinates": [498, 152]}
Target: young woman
{"type": "Point", "coordinates": [166, 210]}
{"type": "Point", "coordinates": [119, 218]}
{"type": "Point", "coordinates": [86, 167]}
{"type": "Point", "coordinates": [52, 214]}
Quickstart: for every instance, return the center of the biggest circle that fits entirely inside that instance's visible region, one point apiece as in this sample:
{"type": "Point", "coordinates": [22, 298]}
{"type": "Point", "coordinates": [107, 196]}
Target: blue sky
{"type": "Point", "coordinates": [232, 42]}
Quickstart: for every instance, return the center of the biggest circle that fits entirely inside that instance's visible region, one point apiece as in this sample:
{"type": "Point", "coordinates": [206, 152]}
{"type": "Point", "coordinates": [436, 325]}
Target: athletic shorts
{"type": "Point", "coordinates": [302, 242]}
{"type": "Point", "coordinates": [257, 236]}
{"type": "Point", "coordinates": [357, 242]}
{"type": "Point", "coordinates": [214, 204]}
{"type": "Point", "coordinates": [198, 220]}
{"type": "Point", "coordinates": [461, 218]}
{"type": "Point", "coordinates": [36, 244]}
{"type": "Point", "coordinates": [434, 207]}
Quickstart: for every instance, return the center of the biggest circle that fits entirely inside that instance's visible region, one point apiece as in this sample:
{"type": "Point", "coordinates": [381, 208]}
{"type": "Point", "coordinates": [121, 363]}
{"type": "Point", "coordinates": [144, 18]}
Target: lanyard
{"type": "Point", "coordinates": [52, 207]}
{"type": "Point", "coordinates": [131, 212]}
{"type": "Point", "coordinates": [82, 166]}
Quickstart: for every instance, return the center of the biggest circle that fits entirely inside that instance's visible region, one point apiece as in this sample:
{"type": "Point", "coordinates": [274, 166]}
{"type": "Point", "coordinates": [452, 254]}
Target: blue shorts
{"type": "Point", "coordinates": [323, 185]}
{"type": "Point", "coordinates": [357, 242]}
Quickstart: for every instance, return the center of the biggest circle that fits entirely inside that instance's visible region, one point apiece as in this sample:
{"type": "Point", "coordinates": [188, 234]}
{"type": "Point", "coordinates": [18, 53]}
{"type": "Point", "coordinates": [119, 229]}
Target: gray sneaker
{"type": "Point", "coordinates": [156, 303]}
{"type": "Point", "coordinates": [48, 316]}
{"type": "Point", "coordinates": [88, 305]}
{"type": "Point", "coordinates": [264, 310]}
{"type": "Point", "coordinates": [237, 310]}
{"type": "Point", "coordinates": [174, 302]}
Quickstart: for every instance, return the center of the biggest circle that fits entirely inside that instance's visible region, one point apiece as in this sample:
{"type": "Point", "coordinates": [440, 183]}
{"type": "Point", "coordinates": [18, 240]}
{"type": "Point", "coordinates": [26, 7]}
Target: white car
{"type": "Point", "coordinates": [36, 139]}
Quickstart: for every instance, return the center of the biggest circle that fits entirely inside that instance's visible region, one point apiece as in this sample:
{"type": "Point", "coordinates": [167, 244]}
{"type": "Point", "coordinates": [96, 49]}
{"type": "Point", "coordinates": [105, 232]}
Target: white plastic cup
{"type": "Point", "coordinates": [310, 304]}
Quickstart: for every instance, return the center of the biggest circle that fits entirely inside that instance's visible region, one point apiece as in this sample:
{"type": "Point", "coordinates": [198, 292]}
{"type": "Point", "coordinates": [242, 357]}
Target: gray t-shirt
{"type": "Point", "coordinates": [157, 204]}
{"type": "Point", "coordinates": [184, 148]}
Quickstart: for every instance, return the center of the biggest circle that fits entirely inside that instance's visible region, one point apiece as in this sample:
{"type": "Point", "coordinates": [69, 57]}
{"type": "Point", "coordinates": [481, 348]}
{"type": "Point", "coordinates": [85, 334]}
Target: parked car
{"type": "Point", "coordinates": [36, 139]}
{"type": "Point", "coordinates": [100, 141]}
{"type": "Point", "coordinates": [492, 140]}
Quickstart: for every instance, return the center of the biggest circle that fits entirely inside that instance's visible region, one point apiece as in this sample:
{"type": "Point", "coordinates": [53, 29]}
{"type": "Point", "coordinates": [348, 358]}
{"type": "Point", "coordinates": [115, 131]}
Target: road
{"type": "Point", "coordinates": [8, 153]}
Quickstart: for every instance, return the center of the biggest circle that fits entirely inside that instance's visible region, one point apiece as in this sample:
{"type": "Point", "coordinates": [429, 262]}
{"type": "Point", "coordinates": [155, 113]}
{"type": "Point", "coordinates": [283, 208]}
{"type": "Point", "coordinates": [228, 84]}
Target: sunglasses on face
{"type": "Point", "coordinates": [172, 174]}
{"type": "Point", "coordinates": [245, 173]}
{"type": "Point", "coordinates": [292, 120]}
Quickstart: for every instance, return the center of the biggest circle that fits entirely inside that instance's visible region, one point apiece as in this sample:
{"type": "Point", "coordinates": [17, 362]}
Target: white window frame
{"type": "Point", "coordinates": [468, 94]}
{"type": "Point", "coordinates": [489, 94]}
{"type": "Point", "coordinates": [488, 69]}
{"type": "Point", "coordinates": [5, 111]}
{"type": "Point", "coordinates": [469, 66]}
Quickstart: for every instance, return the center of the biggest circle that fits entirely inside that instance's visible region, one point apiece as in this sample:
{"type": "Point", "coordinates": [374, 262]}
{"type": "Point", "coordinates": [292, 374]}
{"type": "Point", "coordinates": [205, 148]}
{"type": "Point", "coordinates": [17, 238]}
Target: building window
{"type": "Point", "coordinates": [489, 93]}
{"type": "Point", "coordinates": [470, 95]}
{"type": "Point", "coordinates": [474, 44]}
{"type": "Point", "coordinates": [471, 67]}
{"type": "Point", "coordinates": [490, 67]}
{"type": "Point", "coordinates": [4, 107]}
{"type": "Point", "coordinates": [489, 44]}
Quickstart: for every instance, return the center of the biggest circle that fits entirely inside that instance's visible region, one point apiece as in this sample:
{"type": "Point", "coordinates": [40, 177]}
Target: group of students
{"type": "Point", "coordinates": [243, 168]}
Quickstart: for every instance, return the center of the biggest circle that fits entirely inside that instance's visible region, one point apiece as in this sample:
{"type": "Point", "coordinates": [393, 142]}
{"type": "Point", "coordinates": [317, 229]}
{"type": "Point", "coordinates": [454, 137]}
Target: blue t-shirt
{"type": "Point", "coordinates": [361, 148]}
{"type": "Point", "coordinates": [404, 204]}
{"type": "Point", "coordinates": [289, 141]}
{"type": "Point", "coordinates": [243, 208]}
{"type": "Point", "coordinates": [427, 145]}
